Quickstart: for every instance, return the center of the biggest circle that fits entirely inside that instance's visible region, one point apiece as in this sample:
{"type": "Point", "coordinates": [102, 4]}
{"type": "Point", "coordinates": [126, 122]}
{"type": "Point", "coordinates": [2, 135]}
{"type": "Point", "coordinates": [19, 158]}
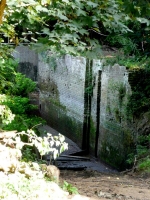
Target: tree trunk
{"type": "Point", "coordinates": [2, 8]}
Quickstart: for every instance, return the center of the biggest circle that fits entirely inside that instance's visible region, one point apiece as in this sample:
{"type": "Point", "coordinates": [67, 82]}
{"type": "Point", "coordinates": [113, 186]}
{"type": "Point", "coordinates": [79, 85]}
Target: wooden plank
{"type": "Point", "coordinates": [80, 153]}
{"type": "Point", "coordinates": [67, 159]}
{"type": "Point", "coordinates": [77, 157]}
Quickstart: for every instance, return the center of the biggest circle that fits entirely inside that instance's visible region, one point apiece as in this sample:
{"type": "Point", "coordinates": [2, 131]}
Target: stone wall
{"type": "Point", "coordinates": [65, 95]}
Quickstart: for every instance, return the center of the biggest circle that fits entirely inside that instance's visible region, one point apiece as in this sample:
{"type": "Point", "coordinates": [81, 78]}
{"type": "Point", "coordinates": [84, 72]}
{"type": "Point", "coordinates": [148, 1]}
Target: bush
{"type": "Point", "coordinates": [19, 105]}
{"type": "Point", "coordinates": [22, 86]}
{"type": "Point", "coordinates": [144, 165]}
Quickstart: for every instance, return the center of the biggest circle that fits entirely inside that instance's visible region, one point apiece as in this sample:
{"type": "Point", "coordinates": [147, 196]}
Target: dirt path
{"type": "Point", "coordinates": [108, 186]}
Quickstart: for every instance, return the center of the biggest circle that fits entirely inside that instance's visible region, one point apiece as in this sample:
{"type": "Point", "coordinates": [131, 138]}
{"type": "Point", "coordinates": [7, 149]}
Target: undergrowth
{"type": "Point", "coordinates": [17, 100]}
{"type": "Point", "coordinates": [144, 165]}
{"type": "Point", "coordinates": [69, 188]}
{"type": "Point", "coordinates": [130, 62]}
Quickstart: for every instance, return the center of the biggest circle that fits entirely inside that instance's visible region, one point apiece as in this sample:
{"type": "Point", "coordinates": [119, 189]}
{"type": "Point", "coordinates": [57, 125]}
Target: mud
{"type": "Point", "coordinates": [96, 185]}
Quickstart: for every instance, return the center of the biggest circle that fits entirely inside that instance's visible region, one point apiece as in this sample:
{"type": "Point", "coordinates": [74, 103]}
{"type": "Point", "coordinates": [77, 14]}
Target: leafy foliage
{"type": "Point", "coordinates": [7, 76]}
{"type": "Point", "coordinates": [123, 43]}
{"type": "Point", "coordinates": [138, 107]}
{"type": "Point", "coordinates": [24, 122]}
{"type": "Point", "coordinates": [66, 26]}
{"type": "Point", "coordinates": [19, 105]}
{"type": "Point", "coordinates": [22, 85]}
{"type": "Point", "coordinates": [78, 27]}
{"type": "Point", "coordinates": [28, 154]}
{"type": "Point", "coordinates": [139, 101]}
{"type": "Point", "coordinates": [69, 188]}
{"type": "Point", "coordinates": [6, 115]}
{"type": "Point", "coordinates": [17, 88]}
{"type": "Point", "coordinates": [144, 165]}
{"type": "Point", "coordinates": [136, 63]}
{"type": "Point", "coordinates": [44, 145]}
{"type": "Point", "coordinates": [21, 108]}
{"type": "Point", "coordinates": [140, 159]}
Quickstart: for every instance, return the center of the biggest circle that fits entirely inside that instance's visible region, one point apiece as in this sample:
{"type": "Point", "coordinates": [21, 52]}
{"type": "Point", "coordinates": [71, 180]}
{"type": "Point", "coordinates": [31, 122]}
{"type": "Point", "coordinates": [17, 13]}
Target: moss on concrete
{"type": "Point", "coordinates": [92, 135]}
{"type": "Point", "coordinates": [111, 155]}
{"type": "Point", "coordinates": [57, 103]}
{"type": "Point", "coordinates": [116, 141]}
{"type": "Point", "coordinates": [49, 87]}
{"type": "Point", "coordinates": [72, 127]}
{"type": "Point", "coordinates": [58, 118]}
{"type": "Point", "coordinates": [115, 149]}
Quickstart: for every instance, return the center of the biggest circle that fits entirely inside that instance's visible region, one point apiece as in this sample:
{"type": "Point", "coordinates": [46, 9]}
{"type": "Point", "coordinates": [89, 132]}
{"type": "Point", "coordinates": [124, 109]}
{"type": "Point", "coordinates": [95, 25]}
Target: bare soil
{"type": "Point", "coordinates": [96, 185]}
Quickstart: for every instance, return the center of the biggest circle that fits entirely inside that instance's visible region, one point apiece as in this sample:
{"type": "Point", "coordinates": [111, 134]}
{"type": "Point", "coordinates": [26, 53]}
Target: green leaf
{"type": "Point", "coordinates": [143, 20]}
{"type": "Point", "coordinates": [92, 4]}
{"type": "Point", "coordinates": [61, 16]}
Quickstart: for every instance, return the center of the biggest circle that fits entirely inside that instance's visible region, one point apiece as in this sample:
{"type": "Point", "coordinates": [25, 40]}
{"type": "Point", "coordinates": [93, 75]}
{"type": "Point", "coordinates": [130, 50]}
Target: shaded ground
{"type": "Point", "coordinates": [96, 185]}
{"type": "Point", "coordinates": [91, 164]}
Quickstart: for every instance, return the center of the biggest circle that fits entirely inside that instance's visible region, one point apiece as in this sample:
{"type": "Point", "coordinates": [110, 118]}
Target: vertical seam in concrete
{"type": "Point", "coordinates": [89, 103]}
{"type": "Point", "coordinates": [98, 112]}
{"type": "Point", "coordinates": [87, 106]}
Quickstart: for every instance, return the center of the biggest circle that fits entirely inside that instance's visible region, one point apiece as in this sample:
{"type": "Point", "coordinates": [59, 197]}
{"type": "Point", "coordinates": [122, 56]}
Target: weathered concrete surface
{"type": "Point", "coordinates": [61, 95]}
{"type": "Point", "coordinates": [28, 61]}
{"type": "Point", "coordinates": [114, 131]}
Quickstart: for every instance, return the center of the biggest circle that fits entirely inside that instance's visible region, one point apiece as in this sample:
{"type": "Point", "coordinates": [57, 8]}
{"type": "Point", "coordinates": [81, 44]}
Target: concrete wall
{"type": "Point", "coordinates": [95, 108]}
{"type": "Point", "coordinates": [28, 61]}
{"type": "Point", "coordinates": [62, 93]}
{"type": "Point", "coordinates": [115, 136]}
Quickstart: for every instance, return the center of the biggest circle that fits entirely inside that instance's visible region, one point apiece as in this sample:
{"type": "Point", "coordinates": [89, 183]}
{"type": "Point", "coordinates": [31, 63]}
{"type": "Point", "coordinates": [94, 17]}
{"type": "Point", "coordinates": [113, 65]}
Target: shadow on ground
{"type": "Point", "coordinates": [67, 161]}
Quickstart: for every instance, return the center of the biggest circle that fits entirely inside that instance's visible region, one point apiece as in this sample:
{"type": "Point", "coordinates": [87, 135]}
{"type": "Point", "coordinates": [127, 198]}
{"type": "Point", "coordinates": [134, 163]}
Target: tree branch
{"type": "Point", "coordinates": [2, 8]}
{"type": "Point", "coordinates": [97, 32]}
